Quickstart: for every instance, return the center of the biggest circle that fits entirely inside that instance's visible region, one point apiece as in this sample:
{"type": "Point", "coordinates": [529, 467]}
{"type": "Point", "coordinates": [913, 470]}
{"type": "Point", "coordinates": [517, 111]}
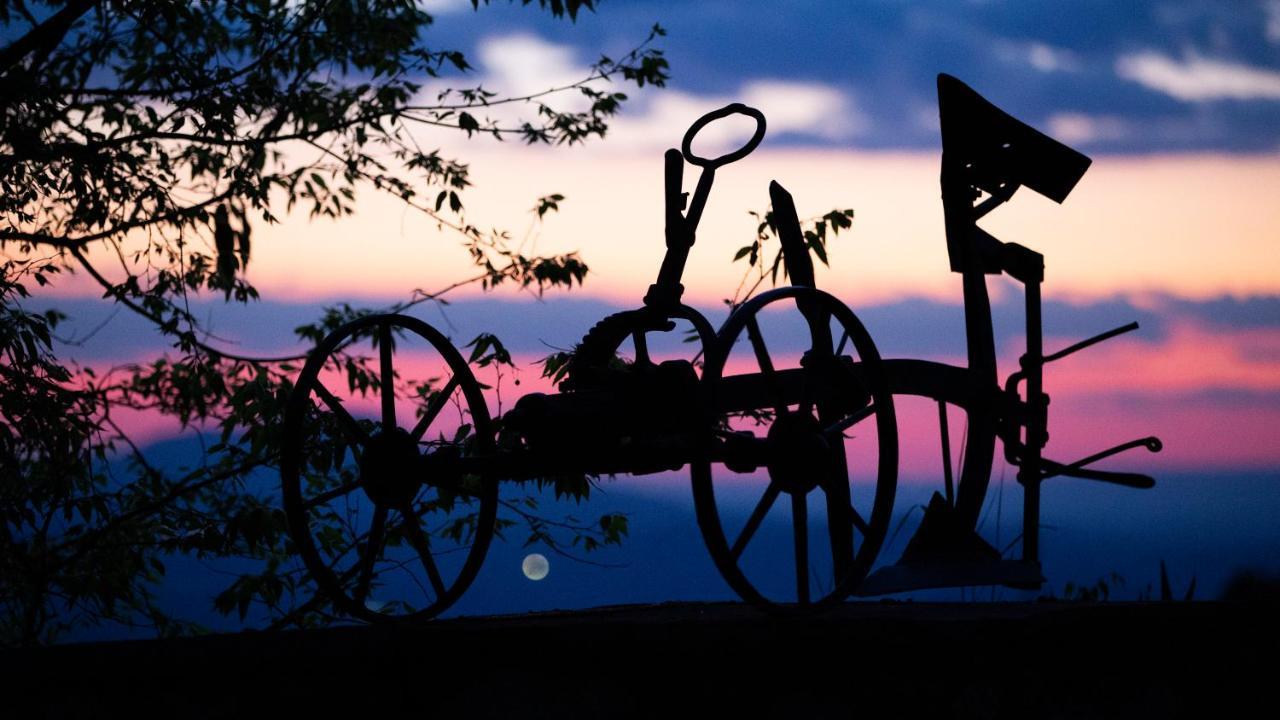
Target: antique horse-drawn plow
{"type": "Point", "coordinates": [818, 428]}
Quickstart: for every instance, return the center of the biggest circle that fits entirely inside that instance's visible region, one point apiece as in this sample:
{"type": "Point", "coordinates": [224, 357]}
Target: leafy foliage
{"type": "Point", "coordinates": [140, 144]}
{"type": "Point", "coordinates": [760, 266]}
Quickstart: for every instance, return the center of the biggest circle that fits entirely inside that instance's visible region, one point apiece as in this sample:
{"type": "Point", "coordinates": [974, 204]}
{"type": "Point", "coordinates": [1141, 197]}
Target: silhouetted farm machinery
{"type": "Point", "coordinates": [419, 498]}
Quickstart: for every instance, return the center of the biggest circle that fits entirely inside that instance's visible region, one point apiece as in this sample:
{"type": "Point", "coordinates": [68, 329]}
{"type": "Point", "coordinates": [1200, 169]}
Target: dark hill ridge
{"type": "Point", "coordinates": [864, 659]}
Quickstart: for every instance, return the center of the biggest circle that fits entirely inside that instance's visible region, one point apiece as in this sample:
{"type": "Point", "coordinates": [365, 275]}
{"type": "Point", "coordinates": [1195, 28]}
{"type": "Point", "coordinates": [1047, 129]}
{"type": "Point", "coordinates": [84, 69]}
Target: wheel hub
{"type": "Point", "coordinates": [799, 454]}
{"type": "Point", "coordinates": [389, 468]}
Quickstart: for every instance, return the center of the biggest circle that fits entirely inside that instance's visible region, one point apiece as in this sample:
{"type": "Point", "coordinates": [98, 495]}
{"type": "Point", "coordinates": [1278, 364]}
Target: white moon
{"type": "Point", "coordinates": [535, 566]}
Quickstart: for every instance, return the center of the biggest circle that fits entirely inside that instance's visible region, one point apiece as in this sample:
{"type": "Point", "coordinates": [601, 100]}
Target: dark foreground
{"type": "Point", "coordinates": [717, 660]}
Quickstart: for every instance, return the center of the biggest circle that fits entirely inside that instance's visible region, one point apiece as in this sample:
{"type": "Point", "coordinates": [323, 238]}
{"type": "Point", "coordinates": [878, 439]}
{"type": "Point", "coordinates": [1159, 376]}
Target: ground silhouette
{"type": "Point", "coordinates": [1169, 659]}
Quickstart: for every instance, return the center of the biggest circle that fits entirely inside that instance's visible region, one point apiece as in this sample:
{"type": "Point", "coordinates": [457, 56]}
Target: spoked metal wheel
{"type": "Point", "coordinates": [380, 504]}
{"type": "Point", "coordinates": [795, 493]}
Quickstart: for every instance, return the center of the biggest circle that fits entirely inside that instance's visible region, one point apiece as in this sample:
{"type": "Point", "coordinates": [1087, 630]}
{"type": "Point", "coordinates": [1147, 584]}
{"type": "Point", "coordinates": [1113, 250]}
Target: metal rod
{"type": "Point", "coordinates": [1029, 472]}
{"type": "Point", "coordinates": [946, 454]}
{"type": "Point", "coordinates": [699, 200]}
{"type": "Point", "coordinates": [641, 343]}
{"type": "Point", "coordinates": [434, 407]}
{"type": "Point", "coordinates": [666, 290]}
{"type": "Point", "coordinates": [753, 522]}
{"type": "Point", "coordinates": [386, 378]}
{"type": "Point", "coordinates": [1091, 341]}
{"type": "Point", "coordinates": [800, 526]}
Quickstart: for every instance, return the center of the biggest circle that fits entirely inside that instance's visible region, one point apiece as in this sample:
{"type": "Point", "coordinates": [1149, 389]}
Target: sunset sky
{"type": "Point", "coordinates": [1175, 101]}
{"type": "Point", "coordinates": [1176, 225]}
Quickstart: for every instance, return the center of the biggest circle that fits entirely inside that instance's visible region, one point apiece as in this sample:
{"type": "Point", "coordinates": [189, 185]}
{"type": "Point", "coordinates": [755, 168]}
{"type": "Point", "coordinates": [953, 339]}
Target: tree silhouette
{"type": "Point", "coordinates": [140, 143]}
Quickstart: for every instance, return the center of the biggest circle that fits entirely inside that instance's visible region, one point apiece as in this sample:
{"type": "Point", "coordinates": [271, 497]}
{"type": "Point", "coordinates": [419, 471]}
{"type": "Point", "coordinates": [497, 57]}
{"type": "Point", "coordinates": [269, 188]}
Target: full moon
{"type": "Point", "coordinates": [535, 566]}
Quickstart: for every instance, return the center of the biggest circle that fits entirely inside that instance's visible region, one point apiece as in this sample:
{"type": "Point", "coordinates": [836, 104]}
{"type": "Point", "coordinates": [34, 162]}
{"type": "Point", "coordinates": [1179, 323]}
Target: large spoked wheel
{"type": "Point", "coordinates": [381, 506]}
{"type": "Point", "coordinates": [795, 493]}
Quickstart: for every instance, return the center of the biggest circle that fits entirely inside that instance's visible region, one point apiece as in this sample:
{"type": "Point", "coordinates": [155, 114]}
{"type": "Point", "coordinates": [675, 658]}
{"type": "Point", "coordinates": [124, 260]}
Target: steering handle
{"type": "Point", "coordinates": [732, 109]}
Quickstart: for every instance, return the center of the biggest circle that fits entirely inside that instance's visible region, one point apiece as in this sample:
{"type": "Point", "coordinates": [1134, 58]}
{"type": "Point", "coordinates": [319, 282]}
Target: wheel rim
{"type": "Point", "coordinates": [968, 453]}
{"type": "Point", "coordinates": [810, 404]}
{"type": "Point", "coordinates": [379, 506]}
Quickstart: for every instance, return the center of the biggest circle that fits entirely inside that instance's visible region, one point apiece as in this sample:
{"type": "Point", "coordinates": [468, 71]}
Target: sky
{"type": "Point", "coordinates": [1176, 224]}
{"type": "Point", "coordinates": [1176, 101]}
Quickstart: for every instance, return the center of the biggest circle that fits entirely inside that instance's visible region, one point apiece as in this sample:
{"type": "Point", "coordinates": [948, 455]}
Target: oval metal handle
{"type": "Point", "coordinates": [733, 109]}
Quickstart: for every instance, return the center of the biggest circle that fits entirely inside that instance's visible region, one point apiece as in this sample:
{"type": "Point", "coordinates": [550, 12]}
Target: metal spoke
{"type": "Point", "coordinates": [387, 381]}
{"type": "Point", "coordinates": [433, 409]}
{"type": "Point", "coordinates": [946, 453]}
{"type": "Point", "coordinates": [753, 522]}
{"type": "Point", "coordinates": [839, 427]}
{"type": "Point", "coordinates": [765, 363]}
{"type": "Point", "coordinates": [806, 399]}
{"type": "Point", "coordinates": [328, 495]}
{"type": "Point", "coordinates": [800, 523]}
{"type": "Point", "coordinates": [371, 550]}
{"type": "Point", "coordinates": [843, 340]}
{"type": "Point", "coordinates": [420, 543]}
{"type": "Point", "coordinates": [344, 418]}
{"type": "Point", "coordinates": [839, 526]}
{"type": "Point", "coordinates": [859, 523]}
{"type": "Point", "coordinates": [641, 343]}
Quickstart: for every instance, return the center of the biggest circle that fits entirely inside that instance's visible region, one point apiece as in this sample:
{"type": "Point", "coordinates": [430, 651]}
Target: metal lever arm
{"type": "Point", "coordinates": [1011, 383]}
{"type": "Point", "coordinates": [1091, 341]}
{"type": "Point", "coordinates": [700, 193]}
{"type": "Point", "coordinates": [1080, 468]}
{"type": "Point", "coordinates": [794, 251]}
{"type": "Point", "coordinates": [682, 224]}
{"type": "Point", "coordinates": [1133, 480]}
{"type": "Point", "coordinates": [677, 230]}
{"type": "Point", "coordinates": [666, 292]}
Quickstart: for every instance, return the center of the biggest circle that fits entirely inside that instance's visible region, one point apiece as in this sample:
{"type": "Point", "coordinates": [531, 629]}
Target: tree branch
{"type": "Point", "coordinates": [43, 37]}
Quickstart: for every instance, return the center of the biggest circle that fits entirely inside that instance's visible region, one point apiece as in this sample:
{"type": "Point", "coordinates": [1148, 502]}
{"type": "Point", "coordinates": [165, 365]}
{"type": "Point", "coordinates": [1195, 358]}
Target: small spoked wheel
{"type": "Point", "coordinates": [624, 337]}
{"type": "Point", "coordinates": [380, 489]}
{"type": "Point", "coordinates": [795, 492]}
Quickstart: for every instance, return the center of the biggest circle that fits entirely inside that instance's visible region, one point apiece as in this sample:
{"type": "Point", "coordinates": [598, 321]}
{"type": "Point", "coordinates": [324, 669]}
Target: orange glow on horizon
{"type": "Point", "coordinates": [1189, 225]}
